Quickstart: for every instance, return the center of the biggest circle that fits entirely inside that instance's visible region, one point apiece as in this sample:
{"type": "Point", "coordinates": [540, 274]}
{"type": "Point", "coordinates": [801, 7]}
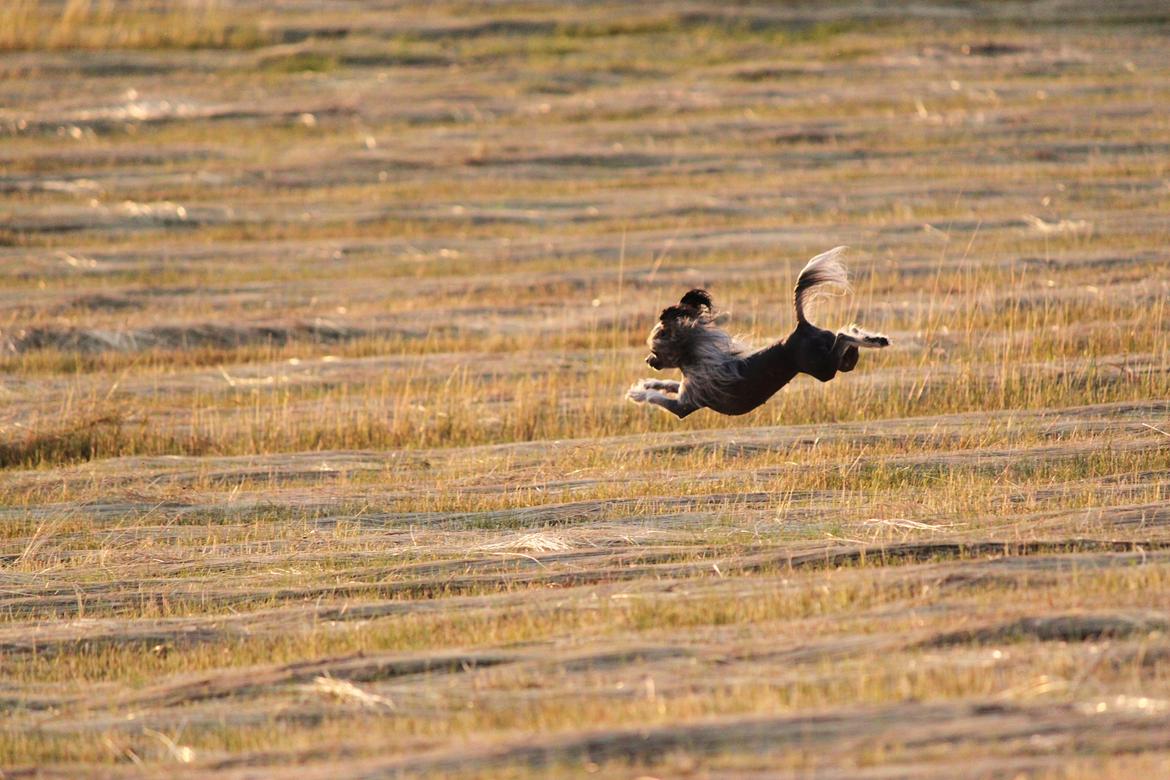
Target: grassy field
{"type": "Point", "coordinates": [315, 328]}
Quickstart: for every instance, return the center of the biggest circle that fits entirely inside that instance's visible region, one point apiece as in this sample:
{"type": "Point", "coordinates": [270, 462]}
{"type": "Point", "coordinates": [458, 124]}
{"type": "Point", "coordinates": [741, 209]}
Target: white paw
{"type": "Point", "coordinates": [641, 394]}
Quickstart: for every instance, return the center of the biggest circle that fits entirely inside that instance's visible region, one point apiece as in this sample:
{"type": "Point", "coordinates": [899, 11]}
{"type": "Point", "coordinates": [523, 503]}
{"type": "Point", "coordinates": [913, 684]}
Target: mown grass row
{"type": "Point", "coordinates": [824, 606]}
{"type": "Point", "coordinates": [465, 410]}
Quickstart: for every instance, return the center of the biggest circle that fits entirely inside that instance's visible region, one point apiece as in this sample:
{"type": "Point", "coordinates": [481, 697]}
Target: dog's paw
{"type": "Point", "coordinates": [638, 393]}
{"type": "Point", "coordinates": [878, 341]}
{"type": "Point", "coordinates": [644, 392]}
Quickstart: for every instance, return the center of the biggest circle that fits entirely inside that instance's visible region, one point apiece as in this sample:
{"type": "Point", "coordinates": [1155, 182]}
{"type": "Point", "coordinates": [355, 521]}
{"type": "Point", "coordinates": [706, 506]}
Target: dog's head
{"type": "Point", "coordinates": [667, 349]}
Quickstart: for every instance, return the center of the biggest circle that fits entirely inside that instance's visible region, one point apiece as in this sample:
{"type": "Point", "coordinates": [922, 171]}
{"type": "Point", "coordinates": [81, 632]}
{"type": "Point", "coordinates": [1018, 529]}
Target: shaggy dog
{"type": "Point", "coordinates": [722, 374]}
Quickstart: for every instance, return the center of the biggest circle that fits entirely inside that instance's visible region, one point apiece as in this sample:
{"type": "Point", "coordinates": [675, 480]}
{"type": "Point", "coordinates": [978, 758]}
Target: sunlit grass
{"type": "Point", "coordinates": [317, 323]}
{"type": "Point", "coordinates": [117, 24]}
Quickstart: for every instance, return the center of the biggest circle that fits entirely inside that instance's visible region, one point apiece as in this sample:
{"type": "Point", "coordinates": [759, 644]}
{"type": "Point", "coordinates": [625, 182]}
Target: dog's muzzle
{"type": "Point", "coordinates": [653, 361]}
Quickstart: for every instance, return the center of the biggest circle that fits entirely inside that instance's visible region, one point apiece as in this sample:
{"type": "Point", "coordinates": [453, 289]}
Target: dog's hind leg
{"type": "Point", "coordinates": [847, 357]}
{"type": "Point", "coordinates": [861, 338]}
{"type": "Point", "coordinates": [845, 348]}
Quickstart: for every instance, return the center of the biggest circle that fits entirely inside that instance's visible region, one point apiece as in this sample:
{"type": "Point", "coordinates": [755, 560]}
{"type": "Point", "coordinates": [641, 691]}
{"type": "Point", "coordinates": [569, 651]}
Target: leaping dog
{"type": "Point", "coordinates": [724, 375]}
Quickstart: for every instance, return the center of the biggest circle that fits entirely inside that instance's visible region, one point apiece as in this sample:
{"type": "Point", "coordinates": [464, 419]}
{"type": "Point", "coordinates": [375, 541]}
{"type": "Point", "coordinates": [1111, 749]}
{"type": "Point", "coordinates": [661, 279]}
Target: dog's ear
{"type": "Point", "coordinates": [676, 312]}
{"type": "Point", "coordinates": [700, 299]}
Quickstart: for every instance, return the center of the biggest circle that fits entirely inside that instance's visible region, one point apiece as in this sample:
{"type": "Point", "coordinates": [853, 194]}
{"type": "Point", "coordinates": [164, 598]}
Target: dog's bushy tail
{"type": "Point", "coordinates": [823, 269]}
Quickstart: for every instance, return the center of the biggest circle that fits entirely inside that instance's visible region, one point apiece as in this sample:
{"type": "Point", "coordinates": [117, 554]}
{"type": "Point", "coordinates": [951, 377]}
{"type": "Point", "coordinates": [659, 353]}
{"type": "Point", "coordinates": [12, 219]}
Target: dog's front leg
{"type": "Point", "coordinates": [665, 385]}
{"type": "Point", "coordinates": [642, 394]}
{"type": "Point", "coordinates": [676, 406]}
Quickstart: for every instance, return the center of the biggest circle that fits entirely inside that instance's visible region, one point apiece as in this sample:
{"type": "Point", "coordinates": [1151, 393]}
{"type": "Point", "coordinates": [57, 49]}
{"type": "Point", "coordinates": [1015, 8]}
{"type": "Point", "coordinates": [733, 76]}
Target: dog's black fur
{"type": "Point", "coordinates": [721, 374]}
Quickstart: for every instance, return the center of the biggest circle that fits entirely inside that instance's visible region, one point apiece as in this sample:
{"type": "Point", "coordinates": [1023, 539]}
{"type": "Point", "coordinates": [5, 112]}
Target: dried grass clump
{"type": "Point", "coordinates": [345, 691]}
{"type": "Point", "coordinates": [533, 542]}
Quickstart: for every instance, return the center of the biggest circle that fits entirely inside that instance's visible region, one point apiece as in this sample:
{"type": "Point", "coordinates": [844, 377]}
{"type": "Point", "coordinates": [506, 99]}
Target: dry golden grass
{"type": "Point", "coordinates": [38, 25]}
{"type": "Point", "coordinates": [315, 326]}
